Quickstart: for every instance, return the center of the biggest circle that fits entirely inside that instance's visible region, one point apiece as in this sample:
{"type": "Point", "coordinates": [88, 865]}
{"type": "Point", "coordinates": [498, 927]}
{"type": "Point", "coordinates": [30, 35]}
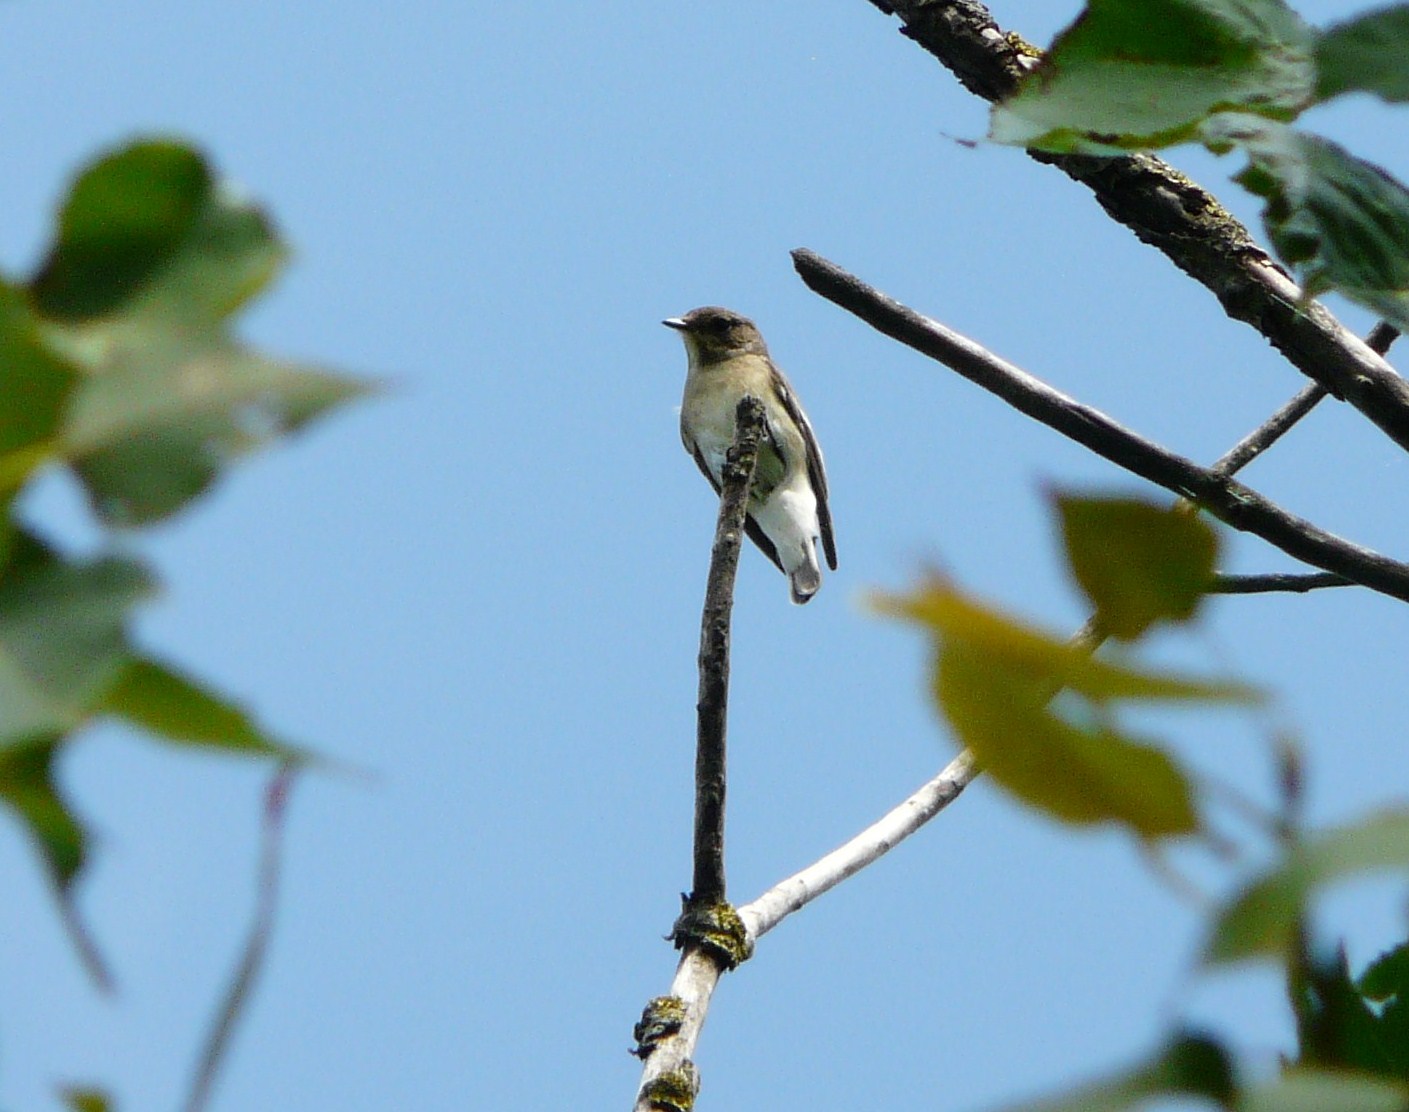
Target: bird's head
{"type": "Point", "coordinates": [712, 334]}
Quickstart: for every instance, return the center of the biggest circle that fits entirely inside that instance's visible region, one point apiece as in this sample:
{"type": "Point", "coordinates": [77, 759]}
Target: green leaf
{"type": "Point", "coordinates": [1131, 74]}
{"type": "Point", "coordinates": [1387, 983]}
{"type": "Point", "coordinates": [994, 680]}
{"type": "Point", "coordinates": [62, 640]}
{"type": "Point", "coordinates": [156, 427]}
{"type": "Point", "coordinates": [1077, 774]}
{"type": "Point", "coordinates": [1340, 222]}
{"type": "Point", "coordinates": [1336, 1027]}
{"type": "Point", "coordinates": [1388, 975]}
{"type": "Point", "coordinates": [1369, 53]}
{"type": "Point", "coordinates": [167, 704]}
{"type": "Point", "coordinates": [35, 385]}
{"type": "Point", "coordinates": [153, 255]}
{"type": "Point", "coordinates": [27, 788]}
{"type": "Point", "coordinates": [1317, 1090]}
{"type": "Point", "coordinates": [129, 226]}
{"type": "Point", "coordinates": [1137, 562]}
{"type": "Point", "coordinates": [1192, 1065]}
{"type": "Point", "coordinates": [1262, 921]}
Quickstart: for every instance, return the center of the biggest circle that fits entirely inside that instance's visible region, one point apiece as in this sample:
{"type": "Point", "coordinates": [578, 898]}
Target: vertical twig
{"type": "Point", "coordinates": [83, 941]}
{"type": "Point", "coordinates": [252, 958]}
{"type": "Point", "coordinates": [670, 1026]}
{"type": "Point", "coordinates": [713, 705]}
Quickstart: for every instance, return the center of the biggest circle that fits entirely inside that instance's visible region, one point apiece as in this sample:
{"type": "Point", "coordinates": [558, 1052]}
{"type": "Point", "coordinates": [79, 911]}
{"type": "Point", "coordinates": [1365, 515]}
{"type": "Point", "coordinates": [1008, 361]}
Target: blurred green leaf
{"type": "Point", "coordinates": [147, 230]}
{"type": "Point", "coordinates": [155, 427]}
{"type": "Point", "coordinates": [1262, 921]}
{"type": "Point", "coordinates": [1386, 982]}
{"type": "Point", "coordinates": [35, 385]}
{"type": "Point", "coordinates": [1049, 661]}
{"type": "Point", "coordinates": [170, 706]}
{"type": "Point", "coordinates": [27, 788]}
{"type": "Point", "coordinates": [1336, 1026]}
{"type": "Point", "coordinates": [1078, 774]}
{"type": "Point", "coordinates": [62, 640]}
{"type": "Point", "coordinates": [1131, 74]}
{"type": "Point", "coordinates": [1138, 563]}
{"type": "Point", "coordinates": [1192, 1065]}
{"type": "Point", "coordinates": [994, 680]}
{"type": "Point", "coordinates": [1318, 1090]}
{"type": "Point", "coordinates": [1342, 223]}
{"type": "Point", "coordinates": [1388, 975]}
{"type": "Point", "coordinates": [118, 361]}
{"type": "Point", "coordinates": [153, 255]}
{"type": "Point", "coordinates": [85, 1099]}
{"type": "Point", "coordinates": [1369, 53]}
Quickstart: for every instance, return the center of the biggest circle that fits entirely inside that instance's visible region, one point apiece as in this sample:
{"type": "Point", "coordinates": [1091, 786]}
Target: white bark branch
{"type": "Point", "coordinates": [693, 986]}
{"type": "Point", "coordinates": [800, 889]}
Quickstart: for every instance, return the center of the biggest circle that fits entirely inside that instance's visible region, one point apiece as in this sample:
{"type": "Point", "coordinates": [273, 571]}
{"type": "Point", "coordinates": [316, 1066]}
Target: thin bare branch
{"type": "Point", "coordinates": [1179, 218]}
{"type": "Point", "coordinates": [763, 914]}
{"type": "Point", "coordinates": [276, 798]}
{"type": "Point", "coordinates": [1270, 431]}
{"type": "Point", "coordinates": [1230, 501]}
{"type": "Point", "coordinates": [83, 941]}
{"type": "Point", "coordinates": [1302, 403]}
{"type": "Point", "coordinates": [1251, 287]}
{"type": "Point", "coordinates": [1381, 337]}
{"type": "Point", "coordinates": [713, 707]}
{"type": "Point", "coordinates": [1276, 581]}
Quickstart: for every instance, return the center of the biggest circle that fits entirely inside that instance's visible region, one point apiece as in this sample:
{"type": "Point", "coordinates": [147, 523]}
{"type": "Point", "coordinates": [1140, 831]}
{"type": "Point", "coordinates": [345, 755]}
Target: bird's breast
{"type": "Point", "coordinates": [707, 412]}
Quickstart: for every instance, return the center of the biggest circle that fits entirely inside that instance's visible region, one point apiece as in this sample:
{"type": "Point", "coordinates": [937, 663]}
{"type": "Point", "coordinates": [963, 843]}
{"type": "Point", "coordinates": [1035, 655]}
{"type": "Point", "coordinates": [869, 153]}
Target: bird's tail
{"type": "Point", "coordinates": [805, 579]}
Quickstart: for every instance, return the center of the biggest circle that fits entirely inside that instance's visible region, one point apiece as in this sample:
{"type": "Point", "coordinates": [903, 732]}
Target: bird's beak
{"type": "Point", "coordinates": [677, 323]}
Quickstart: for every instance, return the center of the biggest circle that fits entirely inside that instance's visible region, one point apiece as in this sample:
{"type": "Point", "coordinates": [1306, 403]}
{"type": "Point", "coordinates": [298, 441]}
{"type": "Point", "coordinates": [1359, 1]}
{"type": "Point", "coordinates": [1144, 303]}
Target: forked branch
{"type": "Point", "coordinates": [1209, 488]}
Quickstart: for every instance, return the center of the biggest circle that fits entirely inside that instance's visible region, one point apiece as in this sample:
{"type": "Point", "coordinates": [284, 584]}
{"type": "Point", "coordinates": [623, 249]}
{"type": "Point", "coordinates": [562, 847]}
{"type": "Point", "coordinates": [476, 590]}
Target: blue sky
{"type": "Point", "coordinates": [484, 585]}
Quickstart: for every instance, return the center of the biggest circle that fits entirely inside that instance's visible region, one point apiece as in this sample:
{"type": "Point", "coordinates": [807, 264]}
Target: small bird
{"type": "Point", "coordinates": [788, 509]}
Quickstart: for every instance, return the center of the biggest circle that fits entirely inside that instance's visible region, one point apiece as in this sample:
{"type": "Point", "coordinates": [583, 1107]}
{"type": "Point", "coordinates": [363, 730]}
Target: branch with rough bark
{"type": "Point", "coordinates": [1176, 216]}
{"type": "Point", "coordinates": [1211, 489]}
{"type": "Point", "coordinates": [712, 709]}
{"type": "Point", "coordinates": [708, 931]}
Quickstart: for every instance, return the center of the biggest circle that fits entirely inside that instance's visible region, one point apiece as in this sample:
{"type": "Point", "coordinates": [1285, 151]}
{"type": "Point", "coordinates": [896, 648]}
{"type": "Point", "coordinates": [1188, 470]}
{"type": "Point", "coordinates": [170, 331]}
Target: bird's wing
{"type": "Point", "coordinates": [750, 526]}
{"type": "Point", "coordinates": [816, 468]}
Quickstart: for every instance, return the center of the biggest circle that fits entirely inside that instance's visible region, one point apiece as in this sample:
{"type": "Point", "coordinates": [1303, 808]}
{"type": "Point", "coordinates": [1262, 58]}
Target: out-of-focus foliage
{"type": "Point", "coordinates": [1040, 714]}
{"type": "Point", "coordinates": [1264, 919]}
{"type": "Point", "coordinates": [117, 362]}
{"type": "Point", "coordinates": [1138, 563]}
